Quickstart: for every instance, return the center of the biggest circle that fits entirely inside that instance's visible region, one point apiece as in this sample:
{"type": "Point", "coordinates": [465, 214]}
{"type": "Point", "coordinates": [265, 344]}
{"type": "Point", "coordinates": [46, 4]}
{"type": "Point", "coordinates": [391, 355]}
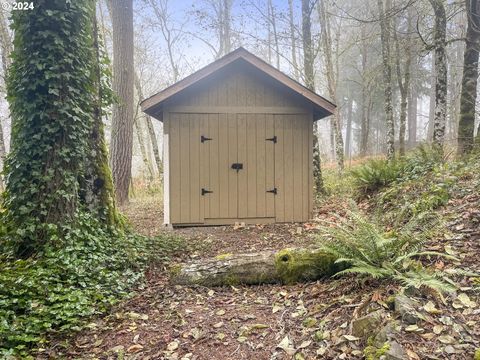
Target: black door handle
{"type": "Point", "coordinates": [273, 191]}
{"type": "Point", "coordinates": [205, 191]}
{"type": "Point", "coordinates": [204, 138]}
{"type": "Point", "coordinates": [237, 166]}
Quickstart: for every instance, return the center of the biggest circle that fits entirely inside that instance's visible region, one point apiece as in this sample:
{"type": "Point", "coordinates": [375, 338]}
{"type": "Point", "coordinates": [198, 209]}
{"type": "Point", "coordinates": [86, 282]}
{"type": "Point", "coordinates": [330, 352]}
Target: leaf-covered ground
{"type": "Point", "coordinates": [303, 321]}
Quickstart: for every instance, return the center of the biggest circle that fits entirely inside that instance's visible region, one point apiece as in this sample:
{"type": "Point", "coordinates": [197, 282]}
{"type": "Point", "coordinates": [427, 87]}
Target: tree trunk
{"type": "Point", "coordinates": [440, 33]}
{"type": "Point", "coordinates": [293, 40]}
{"type": "Point", "coordinates": [141, 144]}
{"type": "Point", "coordinates": [286, 266]}
{"type": "Point", "coordinates": [364, 105]}
{"type": "Point", "coordinates": [412, 118]}
{"type": "Point", "coordinates": [387, 77]}
{"type": "Point", "coordinates": [468, 97]}
{"type": "Point", "coordinates": [331, 83]}
{"type": "Point", "coordinates": [348, 140]}
{"type": "Point", "coordinates": [272, 20]}
{"type": "Point", "coordinates": [403, 83]}
{"type": "Point", "coordinates": [151, 130]}
{"type": "Point", "coordinates": [6, 44]}
{"type": "Point", "coordinates": [123, 113]}
{"type": "Point", "coordinates": [98, 193]}
{"type": "Point", "coordinates": [309, 77]}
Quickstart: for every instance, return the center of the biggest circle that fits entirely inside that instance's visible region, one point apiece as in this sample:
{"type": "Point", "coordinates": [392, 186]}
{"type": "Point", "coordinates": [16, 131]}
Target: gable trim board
{"type": "Point", "coordinates": [152, 105]}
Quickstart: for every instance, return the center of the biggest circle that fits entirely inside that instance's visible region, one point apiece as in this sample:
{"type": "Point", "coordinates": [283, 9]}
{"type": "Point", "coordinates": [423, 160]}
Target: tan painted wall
{"type": "Point", "coordinates": [239, 113]}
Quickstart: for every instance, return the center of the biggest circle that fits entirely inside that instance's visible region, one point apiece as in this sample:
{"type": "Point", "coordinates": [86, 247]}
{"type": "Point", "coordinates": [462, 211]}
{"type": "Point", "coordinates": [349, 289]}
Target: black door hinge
{"type": "Point", "coordinates": [205, 191]}
{"type": "Point", "coordinates": [273, 191]}
{"type": "Point", "coordinates": [273, 139]}
{"type": "Point", "coordinates": [204, 138]}
{"type": "Point", "coordinates": [237, 166]}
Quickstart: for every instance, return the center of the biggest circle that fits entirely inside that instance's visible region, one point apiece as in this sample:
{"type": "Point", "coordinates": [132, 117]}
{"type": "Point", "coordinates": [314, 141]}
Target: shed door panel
{"type": "Point", "coordinates": [257, 156]}
{"type": "Point", "coordinates": [220, 153]}
{"type": "Point", "coordinates": [292, 170]}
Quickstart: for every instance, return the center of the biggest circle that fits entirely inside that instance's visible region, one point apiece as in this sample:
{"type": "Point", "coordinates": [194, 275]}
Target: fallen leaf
{"type": "Point", "coordinates": [220, 312]}
{"type": "Point", "coordinates": [135, 348]}
{"type": "Point", "coordinates": [286, 346]}
{"type": "Point", "coordinates": [351, 337]}
{"type": "Point", "coordinates": [446, 339]}
{"type": "Point", "coordinates": [172, 346]}
{"type": "Point", "coordinates": [413, 328]}
{"type": "Point", "coordinates": [305, 344]}
{"type": "Point", "coordinates": [431, 309]}
{"type": "Point", "coordinates": [465, 300]}
{"type": "Point", "coordinates": [437, 329]}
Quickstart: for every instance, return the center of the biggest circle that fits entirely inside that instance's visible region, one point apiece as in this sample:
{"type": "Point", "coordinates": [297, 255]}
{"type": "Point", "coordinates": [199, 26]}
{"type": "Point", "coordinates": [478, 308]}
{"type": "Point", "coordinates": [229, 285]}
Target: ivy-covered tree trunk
{"type": "Point", "coordinates": [440, 42]}
{"type": "Point", "coordinates": [123, 110]}
{"type": "Point", "coordinates": [98, 192]}
{"type": "Point", "coordinates": [466, 126]}
{"type": "Point", "coordinates": [387, 78]}
{"type": "Point", "coordinates": [309, 78]}
{"type": "Point", "coordinates": [49, 92]}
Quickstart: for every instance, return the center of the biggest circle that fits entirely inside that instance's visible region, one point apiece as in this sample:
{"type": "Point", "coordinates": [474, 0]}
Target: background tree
{"type": "Point", "coordinates": [466, 126]}
{"type": "Point", "coordinates": [387, 77]}
{"type": "Point", "coordinates": [440, 43]}
{"type": "Point", "coordinates": [309, 76]}
{"type": "Point", "coordinates": [123, 85]}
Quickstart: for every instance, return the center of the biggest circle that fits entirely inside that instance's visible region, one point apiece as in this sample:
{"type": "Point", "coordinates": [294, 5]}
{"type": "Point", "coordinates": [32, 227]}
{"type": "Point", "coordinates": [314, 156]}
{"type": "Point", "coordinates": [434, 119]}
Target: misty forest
{"type": "Point", "coordinates": [239, 179]}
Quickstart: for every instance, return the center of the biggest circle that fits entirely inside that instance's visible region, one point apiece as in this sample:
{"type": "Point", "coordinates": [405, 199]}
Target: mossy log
{"type": "Point", "coordinates": [286, 266]}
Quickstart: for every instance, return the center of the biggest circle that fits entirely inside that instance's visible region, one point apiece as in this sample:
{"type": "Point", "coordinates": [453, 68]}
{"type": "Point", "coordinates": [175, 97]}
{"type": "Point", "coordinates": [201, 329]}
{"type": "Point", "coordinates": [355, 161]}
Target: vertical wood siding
{"type": "Point", "coordinates": [239, 138]}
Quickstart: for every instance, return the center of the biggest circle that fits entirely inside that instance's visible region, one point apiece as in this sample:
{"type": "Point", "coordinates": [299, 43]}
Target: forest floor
{"type": "Point", "coordinates": [303, 321]}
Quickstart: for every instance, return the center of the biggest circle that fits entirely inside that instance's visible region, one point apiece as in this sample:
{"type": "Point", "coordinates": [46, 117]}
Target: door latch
{"type": "Point", "coordinates": [272, 139]}
{"type": "Point", "coordinates": [204, 138]}
{"type": "Point", "coordinates": [237, 166]}
{"type": "Point", "coordinates": [205, 191]}
{"type": "Point", "coordinates": [273, 191]}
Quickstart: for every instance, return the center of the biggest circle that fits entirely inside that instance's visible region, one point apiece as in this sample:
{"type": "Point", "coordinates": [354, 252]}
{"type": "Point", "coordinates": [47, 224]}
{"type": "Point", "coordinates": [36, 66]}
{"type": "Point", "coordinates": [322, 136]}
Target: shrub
{"type": "Point", "coordinates": [376, 174]}
{"type": "Point", "coordinates": [58, 290]}
{"type": "Point", "coordinates": [366, 249]}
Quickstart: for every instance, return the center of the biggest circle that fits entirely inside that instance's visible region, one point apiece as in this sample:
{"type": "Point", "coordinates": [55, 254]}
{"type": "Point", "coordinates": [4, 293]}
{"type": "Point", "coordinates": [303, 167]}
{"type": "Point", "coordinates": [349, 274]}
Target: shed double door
{"type": "Point", "coordinates": [237, 166]}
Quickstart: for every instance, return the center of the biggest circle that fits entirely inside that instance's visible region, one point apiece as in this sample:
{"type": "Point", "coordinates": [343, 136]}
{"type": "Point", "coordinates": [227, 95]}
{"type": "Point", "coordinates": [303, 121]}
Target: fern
{"type": "Point", "coordinates": [366, 249]}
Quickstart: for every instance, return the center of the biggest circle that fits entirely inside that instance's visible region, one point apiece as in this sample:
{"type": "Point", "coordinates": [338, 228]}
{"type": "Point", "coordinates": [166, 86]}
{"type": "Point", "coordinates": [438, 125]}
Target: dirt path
{"type": "Point", "coordinates": [304, 321]}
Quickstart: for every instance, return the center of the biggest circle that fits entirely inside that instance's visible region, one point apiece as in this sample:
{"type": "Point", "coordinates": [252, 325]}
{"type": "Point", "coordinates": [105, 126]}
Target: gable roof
{"type": "Point", "coordinates": [322, 107]}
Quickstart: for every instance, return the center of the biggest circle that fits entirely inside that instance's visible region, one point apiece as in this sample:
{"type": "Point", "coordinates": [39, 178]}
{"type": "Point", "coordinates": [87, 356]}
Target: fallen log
{"type": "Point", "coordinates": [286, 266]}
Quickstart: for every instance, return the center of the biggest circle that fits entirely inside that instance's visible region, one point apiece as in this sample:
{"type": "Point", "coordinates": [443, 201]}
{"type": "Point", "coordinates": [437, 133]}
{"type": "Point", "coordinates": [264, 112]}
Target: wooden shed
{"type": "Point", "coordinates": [238, 144]}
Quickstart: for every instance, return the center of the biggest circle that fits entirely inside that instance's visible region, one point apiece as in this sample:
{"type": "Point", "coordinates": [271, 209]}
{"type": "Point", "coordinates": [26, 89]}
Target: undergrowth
{"type": "Point", "coordinates": [365, 248]}
{"type": "Point", "coordinates": [56, 291]}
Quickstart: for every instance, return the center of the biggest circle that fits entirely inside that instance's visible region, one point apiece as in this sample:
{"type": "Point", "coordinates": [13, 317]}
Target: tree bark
{"type": "Point", "coordinates": [331, 83]}
{"type": "Point", "coordinates": [273, 22]}
{"type": "Point", "coordinates": [468, 97]}
{"type": "Point", "coordinates": [309, 77]}
{"type": "Point", "coordinates": [141, 144]}
{"type": "Point", "coordinates": [286, 266]}
{"type": "Point", "coordinates": [123, 111]}
{"type": "Point", "coordinates": [151, 130]}
{"type": "Point", "coordinates": [387, 77]}
{"type": "Point", "coordinates": [98, 193]}
{"type": "Point", "coordinates": [293, 40]}
{"type": "Point", "coordinates": [440, 33]}
{"type": "Point", "coordinates": [348, 140]}
{"type": "Point", "coordinates": [412, 118]}
{"type": "Point", "coordinates": [364, 129]}
{"type": "Point", "coordinates": [403, 84]}
{"type": "Point", "coordinates": [6, 44]}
